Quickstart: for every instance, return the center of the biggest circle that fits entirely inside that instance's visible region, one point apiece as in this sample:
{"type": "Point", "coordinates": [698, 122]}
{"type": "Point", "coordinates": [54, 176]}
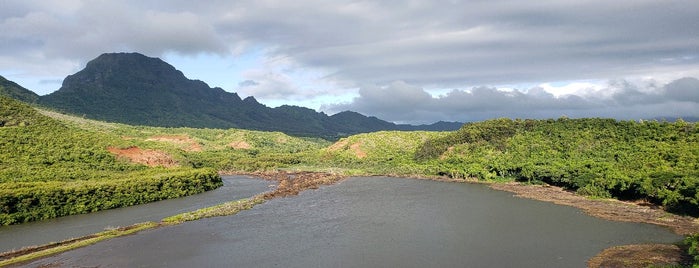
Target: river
{"type": "Point", "coordinates": [377, 222]}
{"type": "Point", "coordinates": [59, 229]}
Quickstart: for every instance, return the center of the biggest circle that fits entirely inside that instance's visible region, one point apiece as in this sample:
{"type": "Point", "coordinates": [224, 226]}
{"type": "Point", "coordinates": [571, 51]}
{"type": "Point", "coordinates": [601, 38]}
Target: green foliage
{"type": "Point", "coordinates": [13, 90]}
{"type": "Point", "coordinates": [50, 169]}
{"type": "Point", "coordinates": [31, 201]}
{"type": "Point", "coordinates": [657, 161]}
{"type": "Point", "coordinates": [134, 89]}
{"type": "Point", "coordinates": [34, 147]}
{"type": "Point", "coordinates": [692, 242]}
{"type": "Point", "coordinates": [384, 152]}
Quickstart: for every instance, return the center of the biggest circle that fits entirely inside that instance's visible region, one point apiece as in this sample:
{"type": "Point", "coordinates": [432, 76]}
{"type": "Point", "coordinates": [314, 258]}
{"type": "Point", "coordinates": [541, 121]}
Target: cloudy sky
{"type": "Point", "coordinates": [402, 61]}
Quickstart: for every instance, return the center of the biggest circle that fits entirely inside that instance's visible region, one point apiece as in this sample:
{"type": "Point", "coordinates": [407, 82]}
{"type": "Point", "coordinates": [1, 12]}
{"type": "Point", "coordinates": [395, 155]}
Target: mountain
{"type": "Point", "coordinates": [135, 89]}
{"type": "Point", "coordinates": [13, 90]}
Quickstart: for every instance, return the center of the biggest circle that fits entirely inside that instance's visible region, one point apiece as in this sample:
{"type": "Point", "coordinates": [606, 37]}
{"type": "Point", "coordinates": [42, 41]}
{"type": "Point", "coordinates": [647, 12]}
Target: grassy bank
{"type": "Point", "coordinates": [289, 184]}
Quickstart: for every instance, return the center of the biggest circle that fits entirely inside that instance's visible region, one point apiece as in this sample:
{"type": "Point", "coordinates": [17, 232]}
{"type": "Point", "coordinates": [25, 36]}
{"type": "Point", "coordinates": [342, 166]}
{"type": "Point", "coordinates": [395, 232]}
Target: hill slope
{"type": "Point", "coordinates": [134, 89]}
{"type": "Point", "coordinates": [50, 169]}
{"type": "Point", "coordinates": [13, 90]}
{"type": "Point", "coordinates": [657, 161]}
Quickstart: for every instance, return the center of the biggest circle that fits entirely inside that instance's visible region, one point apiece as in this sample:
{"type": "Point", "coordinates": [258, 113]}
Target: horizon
{"type": "Point", "coordinates": [418, 63]}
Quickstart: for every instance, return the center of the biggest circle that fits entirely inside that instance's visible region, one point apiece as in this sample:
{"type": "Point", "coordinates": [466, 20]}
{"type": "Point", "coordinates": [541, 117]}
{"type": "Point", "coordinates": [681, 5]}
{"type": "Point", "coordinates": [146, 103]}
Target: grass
{"type": "Point", "coordinates": [225, 209]}
{"type": "Point", "coordinates": [91, 239]}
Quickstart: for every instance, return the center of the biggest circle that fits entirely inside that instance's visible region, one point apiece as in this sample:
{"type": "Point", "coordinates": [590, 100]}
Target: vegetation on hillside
{"type": "Point", "coordinates": [13, 90]}
{"type": "Point", "coordinates": [50, 169]}
{"type": "Point", "coordinates": [649, 160]}
{"type": "Point", "coordinates": [134, 89]}
{"type": "Point", "coordinates": [53, 164]}
{"type": "Point", "coordinates": [657, 161]}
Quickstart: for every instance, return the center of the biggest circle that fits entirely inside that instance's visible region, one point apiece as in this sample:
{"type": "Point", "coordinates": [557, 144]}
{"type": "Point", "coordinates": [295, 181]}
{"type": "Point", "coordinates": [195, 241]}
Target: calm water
{"type": "Point", "coordinates": [377, 222]}
{"type": "Point", "coordinates": [43, 232]}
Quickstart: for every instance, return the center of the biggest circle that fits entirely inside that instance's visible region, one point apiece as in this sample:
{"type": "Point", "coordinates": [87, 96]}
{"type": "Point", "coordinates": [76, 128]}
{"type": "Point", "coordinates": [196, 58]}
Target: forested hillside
{"type": "Point", "coordinates": [13, 90]}
{"type": "Point", "coordinates": [134, 89]}
{"type": "Point", "coordinates": [658, 161]}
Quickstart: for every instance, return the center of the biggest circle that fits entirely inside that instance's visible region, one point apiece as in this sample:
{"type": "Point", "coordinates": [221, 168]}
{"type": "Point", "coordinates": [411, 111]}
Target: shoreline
{"type": "Point", "coordinates": [639, 255]}
{"type": "Point", "coordinates": [292, 183]}
{"type": "Point", "coordinates": [289, 184]}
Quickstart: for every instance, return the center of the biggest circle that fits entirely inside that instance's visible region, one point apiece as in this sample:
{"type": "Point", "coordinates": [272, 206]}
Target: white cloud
{"type": "Point", "coordinates": [401, 102]}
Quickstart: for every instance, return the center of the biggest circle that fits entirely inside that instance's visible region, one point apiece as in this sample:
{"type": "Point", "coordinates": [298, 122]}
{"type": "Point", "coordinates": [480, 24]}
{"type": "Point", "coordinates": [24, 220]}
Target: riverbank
{"type": "Point", "coordinates": [292, 183]}
{"type": "Point", "coordinates": [289, 184]}
{"type": "Point", "coordinates": [615, 210]}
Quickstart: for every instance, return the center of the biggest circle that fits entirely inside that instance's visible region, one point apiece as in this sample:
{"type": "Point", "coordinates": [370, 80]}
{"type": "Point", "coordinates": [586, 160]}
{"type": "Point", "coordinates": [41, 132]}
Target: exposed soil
{"type": "Point", "coordinates": [611, 209]}
{"type": "Point", "coordinates": [240, 145]}
{"type": "Point", "coordinates": [641, 256]}
{"type": "Point", "coordinates": [357, 150]}
{"type": "Point", "coordinates": [337, 146]}
{"type": "Point", "coordinates": [178, 139]}
{"type": "Point", "coordinates": [292, 183]}
{"type": "Point", "coordinates": [149, 158]}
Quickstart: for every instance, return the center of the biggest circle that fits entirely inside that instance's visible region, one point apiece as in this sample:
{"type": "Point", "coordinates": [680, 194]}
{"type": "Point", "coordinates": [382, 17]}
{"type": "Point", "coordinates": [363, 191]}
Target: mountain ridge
{"type": "Point", "coordinates": [135, 89]}
{"type": "Point", "coordinates": [15, 91]}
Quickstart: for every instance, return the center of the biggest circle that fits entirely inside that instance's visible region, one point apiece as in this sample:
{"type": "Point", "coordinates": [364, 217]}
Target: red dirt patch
{"type": "Point", "coordinates": [337, 146]}
{"type": "Point", "coordinates": [240, 145]}
{"type": "Point", "coordinates": [178, 139]}
{"type": "Point", "coordinates": [358, 151]}
{"type": "Point", "coordinates": [149, 158]}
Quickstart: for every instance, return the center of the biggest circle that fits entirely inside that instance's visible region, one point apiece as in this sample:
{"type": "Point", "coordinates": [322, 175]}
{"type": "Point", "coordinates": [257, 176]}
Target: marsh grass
{"type": "Point", "coordinates": [225, 209]}
{"type": "Point", "coordinates": [28, 254]}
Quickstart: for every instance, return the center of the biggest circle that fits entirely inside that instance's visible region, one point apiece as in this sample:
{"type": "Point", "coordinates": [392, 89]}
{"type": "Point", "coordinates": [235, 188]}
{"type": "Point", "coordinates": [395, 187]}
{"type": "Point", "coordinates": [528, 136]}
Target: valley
{"type": "Point", "coordinates": [57, 159]}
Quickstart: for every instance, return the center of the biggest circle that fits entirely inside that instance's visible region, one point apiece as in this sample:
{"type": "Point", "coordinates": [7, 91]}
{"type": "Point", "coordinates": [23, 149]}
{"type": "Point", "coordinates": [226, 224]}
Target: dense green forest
{"type": "Point", "coordinates": [657, 161]}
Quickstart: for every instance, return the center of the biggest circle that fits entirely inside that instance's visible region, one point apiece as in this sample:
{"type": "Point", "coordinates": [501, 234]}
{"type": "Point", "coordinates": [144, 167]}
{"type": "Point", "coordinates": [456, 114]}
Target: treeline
{"type": "Point", "coordinates": [657, 161]}
{"type": "Point", "coordinates": [32, 201]}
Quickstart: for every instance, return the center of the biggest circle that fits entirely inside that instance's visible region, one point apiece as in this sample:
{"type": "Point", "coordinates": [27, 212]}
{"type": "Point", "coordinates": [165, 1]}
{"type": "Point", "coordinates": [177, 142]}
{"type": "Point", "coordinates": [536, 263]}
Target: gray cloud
{"type": "Point", "coordinates": [442, 43]}
{"type": "Point", "coordinates": [248, 83]}
{"type": "Point", "coordinates": [425, 44]}
{"type": "Point", "coordinates": [447, 43]}
{"type": "Point", "coordinates": [401, 102]}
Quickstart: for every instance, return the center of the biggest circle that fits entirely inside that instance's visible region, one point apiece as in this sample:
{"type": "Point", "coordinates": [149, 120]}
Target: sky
{"type": "Point", "coordinates": [408, 61]}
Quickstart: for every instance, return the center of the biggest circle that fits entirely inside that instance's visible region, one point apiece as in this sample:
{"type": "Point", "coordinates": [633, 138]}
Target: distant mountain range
{"type": "Point", "coordinates": [135, 89]}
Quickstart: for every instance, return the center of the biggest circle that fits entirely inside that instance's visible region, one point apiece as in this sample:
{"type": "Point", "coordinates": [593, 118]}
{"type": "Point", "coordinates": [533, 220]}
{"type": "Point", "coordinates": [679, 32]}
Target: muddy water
{"type": "Point", "coordinates": [377, 222]}
{"type": "Point", "coordinates": [36, 233]}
